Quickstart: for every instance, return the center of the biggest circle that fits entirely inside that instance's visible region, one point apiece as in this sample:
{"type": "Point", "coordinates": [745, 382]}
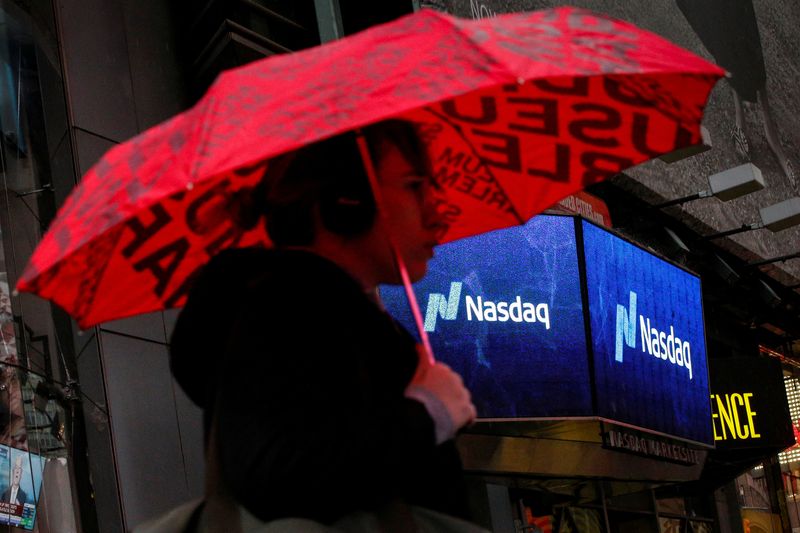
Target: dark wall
{"type": "Point", "coordinates": [222, 34]}
{"type": "Point", "coordinates": [122, 75]}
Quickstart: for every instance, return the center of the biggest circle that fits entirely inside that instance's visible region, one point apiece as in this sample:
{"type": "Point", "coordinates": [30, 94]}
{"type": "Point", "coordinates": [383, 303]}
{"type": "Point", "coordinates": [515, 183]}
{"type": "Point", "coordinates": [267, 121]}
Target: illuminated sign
{"type": "Point", "coordinates": [792, 386]}
{"type": "Point", "coordinates": [733, 417]}
{"type": "Point", "coordinates": [648, 338]}
{"type": "Point", "coordinates": [748, 404]}
{"type": "Point", "coordinates": [506, 311]}
{"type": "Point", "coordinates": [667, 347]}
{"type": "Point", "coordinates": [516, 311]}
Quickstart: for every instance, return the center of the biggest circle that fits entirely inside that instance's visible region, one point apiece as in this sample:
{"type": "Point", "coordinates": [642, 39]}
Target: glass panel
{"type": "Point", "coordinates": [752, 489]}
{"type": "Point", "coordinates": [791, 482]}
{"type": "Point", "coordinates": [580, 520]}
{"type": "Point", "coordinates": [700, 527]}
{"type": "Point", "coordinates": [559, 505]}
{"type": "Point", "coordinates": [671, 525]}
{"type": "Point", "coordinates": [36, 172]}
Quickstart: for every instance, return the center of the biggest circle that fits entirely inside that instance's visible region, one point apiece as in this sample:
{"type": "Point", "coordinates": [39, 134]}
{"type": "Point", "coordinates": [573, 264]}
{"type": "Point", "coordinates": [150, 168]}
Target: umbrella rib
{"type": "Point", "coordinates": [458, 131]}
{"type": "Point", "coordinates": [477, 48]}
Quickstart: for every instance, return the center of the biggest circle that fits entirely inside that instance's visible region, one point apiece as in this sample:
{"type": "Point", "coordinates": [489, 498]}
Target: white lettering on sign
{"type": "Point", "coordinates": [515, 310]}
{"type": "Point", "coordinates": [641, 444]}
{"type": "Point", "coordinates": [661, 343]}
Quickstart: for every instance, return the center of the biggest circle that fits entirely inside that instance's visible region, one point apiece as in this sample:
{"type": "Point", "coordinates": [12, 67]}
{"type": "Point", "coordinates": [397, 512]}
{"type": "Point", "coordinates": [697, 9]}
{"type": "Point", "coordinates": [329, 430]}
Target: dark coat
{"type": "Point", "coordinates": [308, 375]}
{"type": "Point", "coordinates": [22, 498]}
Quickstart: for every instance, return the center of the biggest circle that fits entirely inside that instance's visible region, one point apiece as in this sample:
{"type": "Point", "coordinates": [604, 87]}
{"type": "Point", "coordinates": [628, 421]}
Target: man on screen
{"type": "Point", "coordinates": [14, 493]}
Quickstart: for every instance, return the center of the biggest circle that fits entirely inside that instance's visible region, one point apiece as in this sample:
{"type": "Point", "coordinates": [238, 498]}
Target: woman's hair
{"type": "Point", "coordinates": [329, 176]}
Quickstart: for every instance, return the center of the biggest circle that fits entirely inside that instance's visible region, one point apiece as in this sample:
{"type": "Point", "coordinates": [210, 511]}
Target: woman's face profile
{"type": "Point", "coordinates": [409, 213]}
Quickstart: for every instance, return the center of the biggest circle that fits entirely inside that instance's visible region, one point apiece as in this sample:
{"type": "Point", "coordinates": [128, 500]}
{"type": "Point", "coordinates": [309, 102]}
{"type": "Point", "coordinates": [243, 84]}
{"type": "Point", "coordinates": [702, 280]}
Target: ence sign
{"type": "Point", "coordinates": [506, 311]}
{"type": "Point", "coordinates": [733, 417]}
{"type": "Point", "coordinates": [748, 404]}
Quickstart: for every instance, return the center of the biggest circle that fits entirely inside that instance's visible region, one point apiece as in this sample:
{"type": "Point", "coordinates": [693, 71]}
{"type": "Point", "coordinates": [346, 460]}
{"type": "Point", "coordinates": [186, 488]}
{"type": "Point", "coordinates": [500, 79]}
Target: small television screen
{"type": "Point", "coordinates": [504, 310]}
{"type": "Point", "coordinates": [20, 483]}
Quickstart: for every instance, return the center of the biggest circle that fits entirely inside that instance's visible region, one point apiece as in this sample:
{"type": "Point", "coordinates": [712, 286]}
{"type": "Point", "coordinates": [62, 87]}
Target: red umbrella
{"type": "Point", "coordinates": [517, 111]}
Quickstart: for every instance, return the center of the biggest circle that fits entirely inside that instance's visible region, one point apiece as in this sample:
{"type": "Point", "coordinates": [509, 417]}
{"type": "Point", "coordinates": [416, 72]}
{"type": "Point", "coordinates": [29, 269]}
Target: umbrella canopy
{"type": "Point", "coordinates": [517, 112]}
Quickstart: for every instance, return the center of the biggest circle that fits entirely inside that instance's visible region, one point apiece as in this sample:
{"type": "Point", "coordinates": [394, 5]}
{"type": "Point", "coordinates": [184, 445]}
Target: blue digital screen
{"type": "Point", "coordinates": [504, 310]}
{"type": "Point", "coordinates": [648, 338]}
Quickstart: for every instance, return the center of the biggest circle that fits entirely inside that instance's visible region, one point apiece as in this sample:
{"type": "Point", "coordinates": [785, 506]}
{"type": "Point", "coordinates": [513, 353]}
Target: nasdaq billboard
{"type": "Point", "coordinates": [504, 310]}
{"type": "Point", "coordinates": [648, 338]}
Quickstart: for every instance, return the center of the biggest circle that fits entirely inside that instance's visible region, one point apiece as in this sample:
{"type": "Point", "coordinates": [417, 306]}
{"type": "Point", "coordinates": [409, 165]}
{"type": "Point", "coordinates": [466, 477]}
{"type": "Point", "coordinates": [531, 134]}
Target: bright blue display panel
{"type": "Point", "coordinates": [648, 339]}
{"type": "Point", "coordinates": [504, 310]}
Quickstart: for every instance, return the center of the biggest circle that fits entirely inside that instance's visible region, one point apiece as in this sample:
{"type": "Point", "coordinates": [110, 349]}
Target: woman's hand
{"type": "Point", "coordinates": [443, 393]}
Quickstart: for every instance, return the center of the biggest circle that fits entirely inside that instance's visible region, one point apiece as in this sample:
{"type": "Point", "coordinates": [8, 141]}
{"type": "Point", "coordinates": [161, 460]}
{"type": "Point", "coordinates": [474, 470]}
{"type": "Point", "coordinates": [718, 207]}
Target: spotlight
{"type": "Point", "coordinates": [726, 185]}
{"type": "Point", "coordinates": [736, 182]}
{"type": "Point", "coordinates": [776, 217]}
{"type": "Point", "coordinates": [782, 215]}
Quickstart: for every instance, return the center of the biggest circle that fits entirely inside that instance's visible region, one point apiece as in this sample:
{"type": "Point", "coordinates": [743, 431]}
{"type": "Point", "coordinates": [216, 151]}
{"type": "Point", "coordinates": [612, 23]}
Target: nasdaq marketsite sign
{"type": "Point", "coordinates": [504, 310]}
{"type": "Point", "coordinates": [648, 339]}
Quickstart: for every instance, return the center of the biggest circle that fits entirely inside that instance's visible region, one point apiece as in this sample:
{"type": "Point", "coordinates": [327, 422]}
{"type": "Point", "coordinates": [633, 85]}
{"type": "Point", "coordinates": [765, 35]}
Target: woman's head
{"type": "Point", "coordinates": [327, 180]}
{"type": "Point", "coordinates": [319, 198]}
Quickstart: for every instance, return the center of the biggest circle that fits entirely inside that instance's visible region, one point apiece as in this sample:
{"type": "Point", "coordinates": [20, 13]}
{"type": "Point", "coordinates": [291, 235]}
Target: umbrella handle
{"type": "Point", "coordinates": [398, 260]}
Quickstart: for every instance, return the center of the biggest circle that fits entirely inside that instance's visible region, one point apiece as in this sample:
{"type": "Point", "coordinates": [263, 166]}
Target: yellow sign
{"type": "Point", "coordinates": [732, 417]}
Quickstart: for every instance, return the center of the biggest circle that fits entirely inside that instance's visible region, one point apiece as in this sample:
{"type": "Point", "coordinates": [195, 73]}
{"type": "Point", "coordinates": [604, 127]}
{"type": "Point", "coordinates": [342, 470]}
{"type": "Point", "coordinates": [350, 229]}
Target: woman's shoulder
{"type": "Point", "coordinates": [297, 274]}
{"type": "Point", "coordinates": [237, 262]}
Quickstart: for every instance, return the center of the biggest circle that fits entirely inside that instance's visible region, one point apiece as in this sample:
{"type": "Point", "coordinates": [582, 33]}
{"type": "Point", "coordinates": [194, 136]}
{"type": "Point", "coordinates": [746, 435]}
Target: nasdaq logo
{"type": "Point", "coordinates": [626, 326]}
{"type": "Point", "coordinates": [656, 342]}
{"type": "Point", "coordinates": [438, 306]}
{"type": "Point", "coordinates": [482, 310]}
